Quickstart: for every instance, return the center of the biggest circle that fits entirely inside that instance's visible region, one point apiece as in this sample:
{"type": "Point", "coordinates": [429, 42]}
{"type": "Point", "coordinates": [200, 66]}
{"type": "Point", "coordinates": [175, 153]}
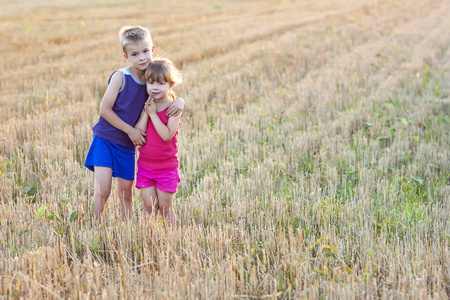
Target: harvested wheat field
{"type": "Point", "coordinates": [314, 151]}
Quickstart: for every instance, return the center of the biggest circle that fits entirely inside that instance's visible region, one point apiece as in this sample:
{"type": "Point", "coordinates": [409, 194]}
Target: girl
{"type": "Point", "coordinates": [158, 174]}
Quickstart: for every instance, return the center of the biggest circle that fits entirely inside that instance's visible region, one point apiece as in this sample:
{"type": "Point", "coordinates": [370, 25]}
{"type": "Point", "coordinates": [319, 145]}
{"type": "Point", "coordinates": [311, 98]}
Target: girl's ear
{"type": "Point", "coordinates": [172, 84]}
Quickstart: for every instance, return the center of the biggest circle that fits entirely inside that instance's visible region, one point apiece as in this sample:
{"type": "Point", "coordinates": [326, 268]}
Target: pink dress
{"type": "Point", "coordinates": [157, 154]}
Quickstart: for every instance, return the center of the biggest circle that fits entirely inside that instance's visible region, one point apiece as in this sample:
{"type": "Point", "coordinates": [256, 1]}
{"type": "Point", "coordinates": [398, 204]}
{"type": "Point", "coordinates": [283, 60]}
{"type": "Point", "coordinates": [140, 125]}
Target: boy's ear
{"type": "Point", "coordinates": [125, 56]}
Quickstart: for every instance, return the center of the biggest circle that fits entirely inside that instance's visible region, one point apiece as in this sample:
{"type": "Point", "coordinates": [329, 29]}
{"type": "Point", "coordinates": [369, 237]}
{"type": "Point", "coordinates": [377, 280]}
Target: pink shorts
{"type": "Point", "coordinates": [165, 180]}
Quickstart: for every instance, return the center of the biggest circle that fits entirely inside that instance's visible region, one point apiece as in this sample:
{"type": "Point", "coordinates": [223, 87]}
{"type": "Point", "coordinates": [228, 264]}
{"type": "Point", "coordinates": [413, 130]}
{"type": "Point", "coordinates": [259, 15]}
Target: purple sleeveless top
{"type": "Point", "coordinates": [128, 106]}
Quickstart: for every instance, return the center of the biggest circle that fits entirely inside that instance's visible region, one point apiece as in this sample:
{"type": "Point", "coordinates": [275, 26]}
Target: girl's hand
{"type": "Point", "coordinates": [150, 106]}
{"type": "Point", "coordinates": [175, 108]}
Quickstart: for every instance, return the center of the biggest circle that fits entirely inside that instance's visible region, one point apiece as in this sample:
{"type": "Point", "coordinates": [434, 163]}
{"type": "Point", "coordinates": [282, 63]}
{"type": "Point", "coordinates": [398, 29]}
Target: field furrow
{"type": "Point", "coordinates": [314, 151]}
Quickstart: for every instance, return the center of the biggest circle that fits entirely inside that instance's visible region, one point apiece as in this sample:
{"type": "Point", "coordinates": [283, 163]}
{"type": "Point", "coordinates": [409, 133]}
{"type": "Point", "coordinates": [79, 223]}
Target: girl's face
{"type": "Point", "coordinates": [158, 90]}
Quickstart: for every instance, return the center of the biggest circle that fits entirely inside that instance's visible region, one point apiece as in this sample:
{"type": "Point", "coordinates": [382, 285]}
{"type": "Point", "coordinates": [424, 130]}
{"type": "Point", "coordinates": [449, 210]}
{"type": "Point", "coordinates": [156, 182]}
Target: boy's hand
{"type": "Point", "coordinates": [137, 136]}
{"type": "Point", "coordinates": [175, 108]}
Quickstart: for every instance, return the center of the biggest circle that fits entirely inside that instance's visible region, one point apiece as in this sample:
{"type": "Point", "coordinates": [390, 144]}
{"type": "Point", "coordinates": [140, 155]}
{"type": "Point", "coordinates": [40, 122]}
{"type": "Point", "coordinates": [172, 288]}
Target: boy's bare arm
{"type": "Point", "coordinates": [143, 121]}
{"type": "Point", "coordinates": [108, 101]}
{"type": "Point", "coordinates": [175, 108]}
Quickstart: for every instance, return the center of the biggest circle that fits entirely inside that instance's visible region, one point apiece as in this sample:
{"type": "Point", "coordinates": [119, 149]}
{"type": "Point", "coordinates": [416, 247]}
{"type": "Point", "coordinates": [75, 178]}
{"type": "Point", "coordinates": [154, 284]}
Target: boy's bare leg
{"type": "Point", "coordinates": [125, 193]}
{"type": "Point", "coordinates": [103, 179]}
{"type": "Point", "coordinates": [165, 201]}
{"type": "Point", "coordinates": [150, 200]}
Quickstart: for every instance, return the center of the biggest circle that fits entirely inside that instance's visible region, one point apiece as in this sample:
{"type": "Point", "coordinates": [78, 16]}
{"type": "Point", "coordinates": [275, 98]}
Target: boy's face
{"type": "Point", "coordinates": [139, 55]}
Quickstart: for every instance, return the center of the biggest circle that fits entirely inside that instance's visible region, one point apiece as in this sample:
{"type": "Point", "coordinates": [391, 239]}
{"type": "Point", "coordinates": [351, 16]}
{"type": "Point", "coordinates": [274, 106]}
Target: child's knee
{"type": "Point", "coordinates": [165, 208]}
{"type": "Point", "coordinates": [125, 193]}
{"type": "Point", "coordinates": [149, 204]}
{"type": "Point", "coordinates": [104, 193]}
{"type": "Point", "coordinates": [128, 199]}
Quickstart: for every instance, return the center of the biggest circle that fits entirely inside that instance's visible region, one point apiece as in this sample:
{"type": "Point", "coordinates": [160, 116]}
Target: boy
{"type": "Point", "coordinates": [112, 152]}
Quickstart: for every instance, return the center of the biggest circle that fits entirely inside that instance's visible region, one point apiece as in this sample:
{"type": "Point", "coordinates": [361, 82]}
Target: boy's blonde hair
{"type": "Point", "coordinates": [163, 70]}
{"type": "Point", "coordinates": [133, 35]}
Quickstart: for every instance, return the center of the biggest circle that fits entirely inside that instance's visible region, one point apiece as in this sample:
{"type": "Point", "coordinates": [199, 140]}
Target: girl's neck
{"type": "Point", "coordinates": [162, 104]}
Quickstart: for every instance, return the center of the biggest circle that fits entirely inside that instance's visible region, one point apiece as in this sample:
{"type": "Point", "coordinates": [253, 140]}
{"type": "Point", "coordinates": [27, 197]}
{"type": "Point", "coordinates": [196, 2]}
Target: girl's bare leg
{"type": "Point", "coordinates": [103, 179]}
{"type": "Point", "coordinates": [125, 193]}
{"type": "Point", "coordinates": [150, 200]}
{"type": "Point", "coordinates": [165, 201]}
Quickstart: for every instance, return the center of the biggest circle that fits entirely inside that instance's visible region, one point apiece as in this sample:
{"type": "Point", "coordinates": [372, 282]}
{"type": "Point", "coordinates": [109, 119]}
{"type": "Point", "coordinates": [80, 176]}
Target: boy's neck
{"type": "Point", "coordinates": [138, 74]}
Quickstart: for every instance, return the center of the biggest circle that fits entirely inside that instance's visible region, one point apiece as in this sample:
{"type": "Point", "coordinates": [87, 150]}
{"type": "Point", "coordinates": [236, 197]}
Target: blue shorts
{"type": "Point", "coordinates": [107, 154]}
